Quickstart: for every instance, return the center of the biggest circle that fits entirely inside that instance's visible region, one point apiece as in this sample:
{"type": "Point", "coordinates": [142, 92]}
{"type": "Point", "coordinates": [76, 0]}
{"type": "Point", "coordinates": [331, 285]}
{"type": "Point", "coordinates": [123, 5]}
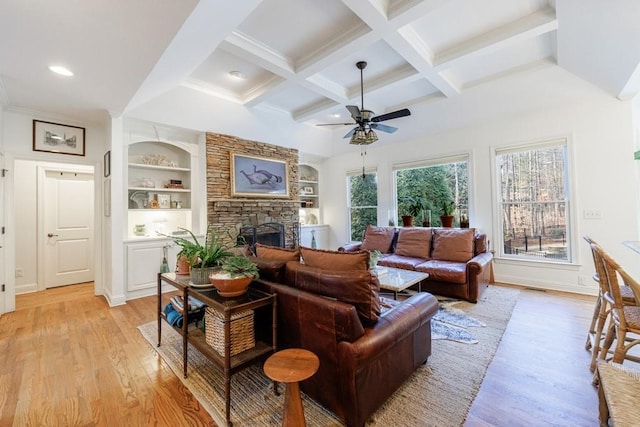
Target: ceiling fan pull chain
{"type": "Point", "coordinates": [363, 152]}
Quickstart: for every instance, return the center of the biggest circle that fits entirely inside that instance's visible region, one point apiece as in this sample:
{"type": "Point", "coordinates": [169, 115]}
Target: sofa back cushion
{"type": "Point", "coordinates": [333, 260]}
{"type": "Point", "coordinates": [453, 244]}
{"type": "Point", "coordinates": [378, 239]}
{"type": "Point", "coordinates": [359, 288]}
{"type": "Point", "coordinates": [480, 243]}
{"type": "Point", "coordinates": [414, 242]}
{"type": "Point", "coordinates": [275, 253]}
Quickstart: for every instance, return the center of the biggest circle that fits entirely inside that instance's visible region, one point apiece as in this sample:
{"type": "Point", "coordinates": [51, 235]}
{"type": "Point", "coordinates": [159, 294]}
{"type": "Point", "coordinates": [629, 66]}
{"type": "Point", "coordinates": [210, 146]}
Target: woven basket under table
{"type": "Point", "coordinates": [242, 333]}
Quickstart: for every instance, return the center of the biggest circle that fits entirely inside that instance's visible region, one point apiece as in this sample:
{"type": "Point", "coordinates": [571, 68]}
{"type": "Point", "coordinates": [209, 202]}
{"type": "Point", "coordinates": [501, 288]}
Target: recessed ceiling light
{"type": "Point", "coordinates": [58, 69]}
{"type": "Point", "coordinates": [237, 75]}
{"type": "Point", "coordinates": [335, 115]}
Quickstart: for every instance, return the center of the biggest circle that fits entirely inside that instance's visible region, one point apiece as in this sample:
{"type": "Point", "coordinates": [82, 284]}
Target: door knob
{"type": "Point", "coordinates": [52, 235]}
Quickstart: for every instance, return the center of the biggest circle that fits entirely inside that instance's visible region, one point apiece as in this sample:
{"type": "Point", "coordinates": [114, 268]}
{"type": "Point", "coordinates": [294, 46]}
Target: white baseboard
{"type": "Point", "coordinates": [26, 289]}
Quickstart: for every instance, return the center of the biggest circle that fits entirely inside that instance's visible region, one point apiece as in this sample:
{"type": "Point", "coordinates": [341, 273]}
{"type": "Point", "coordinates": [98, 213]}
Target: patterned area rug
{"type": "Point", "coordinates": [451, 323]}
{"type": "Point", "coordinates": [439, 393]}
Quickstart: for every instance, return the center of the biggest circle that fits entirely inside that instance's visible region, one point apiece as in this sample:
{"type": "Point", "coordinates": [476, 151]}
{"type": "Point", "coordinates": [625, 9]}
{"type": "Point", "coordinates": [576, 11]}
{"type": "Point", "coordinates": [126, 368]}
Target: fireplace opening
{"type": "Point", "coordinates": [269, 233]}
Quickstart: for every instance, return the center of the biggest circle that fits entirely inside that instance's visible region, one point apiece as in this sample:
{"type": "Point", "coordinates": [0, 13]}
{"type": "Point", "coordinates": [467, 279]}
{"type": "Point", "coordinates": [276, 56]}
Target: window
{"type": "Point", "coordinates": [534, 201]}
{"type": "Point", "coordinates": [363, 202]}
{"type": "Point", "coordinates": [435, 183]}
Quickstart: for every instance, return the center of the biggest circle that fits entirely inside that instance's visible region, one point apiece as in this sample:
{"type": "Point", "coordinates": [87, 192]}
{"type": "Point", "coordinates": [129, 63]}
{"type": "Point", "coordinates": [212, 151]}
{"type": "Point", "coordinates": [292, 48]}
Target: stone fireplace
{"type": "Point", "coordinates": [232, 213]}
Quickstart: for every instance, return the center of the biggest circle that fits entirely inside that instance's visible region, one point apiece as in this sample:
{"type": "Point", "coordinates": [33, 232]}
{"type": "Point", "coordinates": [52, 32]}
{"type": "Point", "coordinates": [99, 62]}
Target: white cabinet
{"type": "Point", "coordinates": [309, 194]}
{"type": "Point", "coordinates": [320, 232]}
{"type": "Point", "coordinates": [143, 263]}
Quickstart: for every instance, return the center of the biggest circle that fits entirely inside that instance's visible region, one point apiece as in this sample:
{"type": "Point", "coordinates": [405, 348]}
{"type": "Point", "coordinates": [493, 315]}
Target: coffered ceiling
{"type": "Point", "coordinates": [298, 56]}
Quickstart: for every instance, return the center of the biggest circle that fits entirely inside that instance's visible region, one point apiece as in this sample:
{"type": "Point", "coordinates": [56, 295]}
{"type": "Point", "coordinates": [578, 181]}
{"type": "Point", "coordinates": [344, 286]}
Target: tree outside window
{"type": "Point", "coordinates": [363, 203]}
{"type": "Point", "coordinates": [436, 185]}
{"type": "Point", "coordinates": [534, 202]}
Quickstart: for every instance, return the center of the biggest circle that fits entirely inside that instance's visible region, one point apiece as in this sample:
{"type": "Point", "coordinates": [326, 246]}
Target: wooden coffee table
{"type": "Point", "coordinates": [291, 366]}
{"type": "Point", "coordinates": [397, 279]}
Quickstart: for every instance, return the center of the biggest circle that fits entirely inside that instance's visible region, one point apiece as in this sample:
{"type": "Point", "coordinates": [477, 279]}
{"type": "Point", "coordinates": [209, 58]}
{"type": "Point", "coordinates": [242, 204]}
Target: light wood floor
{"type": "Point", "coordinates": [66, 358]}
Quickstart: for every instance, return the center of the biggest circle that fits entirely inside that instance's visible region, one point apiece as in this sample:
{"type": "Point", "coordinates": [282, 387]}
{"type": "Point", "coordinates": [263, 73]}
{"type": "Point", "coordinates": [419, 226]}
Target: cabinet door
{"type": "Point", "coordinates": [143, 264]}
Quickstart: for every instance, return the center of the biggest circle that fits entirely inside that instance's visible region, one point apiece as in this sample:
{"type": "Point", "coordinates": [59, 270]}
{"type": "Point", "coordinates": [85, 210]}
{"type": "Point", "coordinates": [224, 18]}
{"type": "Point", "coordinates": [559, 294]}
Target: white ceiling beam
{"type": "Point", "coordinates": [530, 26]}
{"type": "Point", "coordinates": [199, 36]}
{"type": "Point", "coordinates": [309, 111]}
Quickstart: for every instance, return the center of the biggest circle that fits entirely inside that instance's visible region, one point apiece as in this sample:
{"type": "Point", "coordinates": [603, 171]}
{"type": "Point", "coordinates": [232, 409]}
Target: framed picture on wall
{"type": "Point", "coordinates": [57, 138]}
{"type": "Point", "coordinates": [258, 177]}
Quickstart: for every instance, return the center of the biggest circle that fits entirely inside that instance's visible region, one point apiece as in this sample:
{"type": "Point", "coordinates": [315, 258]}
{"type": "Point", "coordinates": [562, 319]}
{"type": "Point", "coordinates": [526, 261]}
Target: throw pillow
{"type": "Point", "coordinates": [378, 239]}
{"type": "Point", "coordinates": [414, 242]}
{"type": "Point", "coordinates": [333, 260]}
{"type": "Point", "coordinates": [277, 254]}
{"type": "Point", "coordinates": [453, 244]}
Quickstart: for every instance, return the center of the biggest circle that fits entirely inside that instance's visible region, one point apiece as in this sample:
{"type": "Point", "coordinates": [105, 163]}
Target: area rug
{"type": "Point", "coordinates": [451, 323]}
{"type": "Point", "coordinates": [439, 393]}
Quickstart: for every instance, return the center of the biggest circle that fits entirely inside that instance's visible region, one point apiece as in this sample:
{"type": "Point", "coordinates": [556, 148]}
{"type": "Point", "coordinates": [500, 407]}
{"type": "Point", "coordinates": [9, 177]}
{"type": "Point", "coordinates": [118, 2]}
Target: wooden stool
{"type": "Point", "coordinates": [291, 366]}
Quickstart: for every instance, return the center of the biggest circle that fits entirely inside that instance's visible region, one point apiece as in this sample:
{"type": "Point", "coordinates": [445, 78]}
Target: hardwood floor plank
{"type": "Point", "coordinates": [70, 359]}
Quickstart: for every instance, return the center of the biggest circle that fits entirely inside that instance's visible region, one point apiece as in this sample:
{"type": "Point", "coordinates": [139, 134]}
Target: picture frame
{"type": "Point", "coordinates": [107, 197]}
{"type": "Point", "coordinates": [107, 163]}
{"type": "Point", "coordinates": [307, 190]}
{"type": "Point", "coordinates": [58, 138]}
{"type": "Point", "coordinates": [258, 177]}
{"type": "Point", "coordinates": [164, 201]}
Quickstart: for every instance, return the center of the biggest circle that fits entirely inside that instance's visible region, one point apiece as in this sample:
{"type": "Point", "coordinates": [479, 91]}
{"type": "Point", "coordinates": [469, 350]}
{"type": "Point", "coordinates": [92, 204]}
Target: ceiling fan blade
{"type": "Point", "coordinates": [351, 132]}
{"type": "Point", "coordinates": [383, 128]}
{"type": "Point", "coordinates": [393, 115]}
{"type": "Point", "coordinates": [335, 124]}
{"type": "Point", "coordinates": [355, 112]}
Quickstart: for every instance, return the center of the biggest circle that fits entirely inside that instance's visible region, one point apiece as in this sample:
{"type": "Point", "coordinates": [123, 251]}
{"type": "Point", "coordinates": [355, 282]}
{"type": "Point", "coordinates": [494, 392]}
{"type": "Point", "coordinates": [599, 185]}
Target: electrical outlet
{"type": "Point", "coordinates": [19, 272]}
{"type": "Point", "coordinates": [592, 214]}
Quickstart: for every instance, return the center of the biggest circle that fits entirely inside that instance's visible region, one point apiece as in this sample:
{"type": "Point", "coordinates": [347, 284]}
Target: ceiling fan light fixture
{"type": "Point", "coordinates": [371, 137]}
{"type": "Point", "coordinates": [238, 75]}
{"type": "Point", "coordinates": [359, 137]}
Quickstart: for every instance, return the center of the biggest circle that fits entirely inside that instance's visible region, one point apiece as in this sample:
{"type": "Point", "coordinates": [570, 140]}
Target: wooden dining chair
{"type": "Point", "coordinates": [624, 325]}
{"type": "Point", "coordinates": [601, 310]}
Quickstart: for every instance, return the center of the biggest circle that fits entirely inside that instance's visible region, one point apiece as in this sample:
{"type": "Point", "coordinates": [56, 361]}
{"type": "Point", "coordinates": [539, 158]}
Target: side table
{"type": "Point", "coordinates": [291, 366]}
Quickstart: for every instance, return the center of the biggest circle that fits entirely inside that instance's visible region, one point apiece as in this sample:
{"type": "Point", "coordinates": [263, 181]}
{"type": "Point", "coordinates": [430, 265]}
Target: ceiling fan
{"type": "Point", "coordinates": [366, 120]}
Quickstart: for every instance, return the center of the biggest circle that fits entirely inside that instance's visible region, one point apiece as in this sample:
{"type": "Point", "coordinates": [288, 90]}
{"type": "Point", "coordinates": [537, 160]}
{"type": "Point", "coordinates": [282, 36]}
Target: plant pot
{"type": "Point", "coordinates": [182, 266]}
{"type": "Point", "coordinates": [228, 287]}
{"type": "Point", "coordinates": [200, 276]}
{"type": "Point", "coordinates": [407, 221]}
{"type": "Point", "coordinates": [447, 220]}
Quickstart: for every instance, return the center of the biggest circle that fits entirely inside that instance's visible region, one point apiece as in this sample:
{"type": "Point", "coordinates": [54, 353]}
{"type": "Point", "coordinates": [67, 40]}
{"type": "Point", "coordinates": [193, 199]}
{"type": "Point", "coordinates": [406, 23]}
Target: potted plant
{"type": "Point", "coordinates": [234, 276]}
{"type": "Point", "coordinates": [448, 207]}
{"type": "Point", "coordinates": [415, 206]}
{"type": "Point", "coordinates": [202, 257]}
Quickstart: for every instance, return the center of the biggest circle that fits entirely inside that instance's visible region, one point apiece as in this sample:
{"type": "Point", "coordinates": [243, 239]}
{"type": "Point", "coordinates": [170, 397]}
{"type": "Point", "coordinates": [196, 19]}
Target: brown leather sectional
{"type": "Point", "coordinates": [367, 345]}
{"type": "Point", "coordinates": [456, 259]}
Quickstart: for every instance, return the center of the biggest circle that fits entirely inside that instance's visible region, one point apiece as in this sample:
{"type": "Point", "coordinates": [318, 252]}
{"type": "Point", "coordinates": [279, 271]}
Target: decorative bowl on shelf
{"type": "Point", "coordinates": [230, 287]}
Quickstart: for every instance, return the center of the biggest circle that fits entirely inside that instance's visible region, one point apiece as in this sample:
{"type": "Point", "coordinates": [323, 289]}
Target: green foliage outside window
{"type": "Point", "coordinates": [363, 196]}
{"type": "Point", "coordinates": [437, 185]}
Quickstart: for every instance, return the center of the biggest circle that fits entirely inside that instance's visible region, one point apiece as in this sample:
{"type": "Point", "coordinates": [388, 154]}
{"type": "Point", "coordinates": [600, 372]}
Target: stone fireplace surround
{"type": "Point", "coordinates": [227, 213]}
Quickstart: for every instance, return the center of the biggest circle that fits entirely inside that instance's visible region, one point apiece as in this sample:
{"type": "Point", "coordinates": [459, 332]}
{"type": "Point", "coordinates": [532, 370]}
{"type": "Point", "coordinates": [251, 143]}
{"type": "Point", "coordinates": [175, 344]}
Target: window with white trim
{"type": "Point", "coordinates": [362, 194]}
{"type": "Point", "coordinates": [435, 182]}
{"type": "Point", "coordinates": [534, 201]}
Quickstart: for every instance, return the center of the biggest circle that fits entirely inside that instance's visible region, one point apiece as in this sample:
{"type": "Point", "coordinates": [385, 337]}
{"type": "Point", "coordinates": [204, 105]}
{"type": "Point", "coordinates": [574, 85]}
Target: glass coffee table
{"type": "Point", "coordinates": [397, 280]}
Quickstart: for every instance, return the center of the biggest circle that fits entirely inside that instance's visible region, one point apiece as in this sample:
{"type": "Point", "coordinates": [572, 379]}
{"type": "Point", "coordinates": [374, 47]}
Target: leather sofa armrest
{"type": "Point", "coordinates": [479, 262]}
{"type": "Point", "coordinates": [390, 328]}
{"type": "Point", "coordinates": [350, 247]}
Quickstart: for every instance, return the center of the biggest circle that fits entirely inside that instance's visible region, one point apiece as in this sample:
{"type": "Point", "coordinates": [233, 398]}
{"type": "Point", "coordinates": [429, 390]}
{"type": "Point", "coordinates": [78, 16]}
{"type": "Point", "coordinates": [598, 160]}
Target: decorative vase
{"type": "Point", "coordinates": [200, 276]}
{"type": "Point", "coordinates": [230, 287]}
{"type": "Point", "coordinates": [447, 220]}
{"type": "Point", "coordinates": [407, 221]}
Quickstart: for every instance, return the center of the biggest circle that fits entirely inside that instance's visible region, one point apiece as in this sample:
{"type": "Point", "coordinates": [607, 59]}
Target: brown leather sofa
{"type": "Point", "coordinates": [456, 259]}
{"type": "Point", "coordinates": [367, 345]}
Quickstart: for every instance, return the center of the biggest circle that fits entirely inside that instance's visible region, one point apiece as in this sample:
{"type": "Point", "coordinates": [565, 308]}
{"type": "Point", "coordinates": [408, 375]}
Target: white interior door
{"type": "Point", "coordinates": [3, 307]}
{"type": "Point", "coordinates": [68, 228]}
